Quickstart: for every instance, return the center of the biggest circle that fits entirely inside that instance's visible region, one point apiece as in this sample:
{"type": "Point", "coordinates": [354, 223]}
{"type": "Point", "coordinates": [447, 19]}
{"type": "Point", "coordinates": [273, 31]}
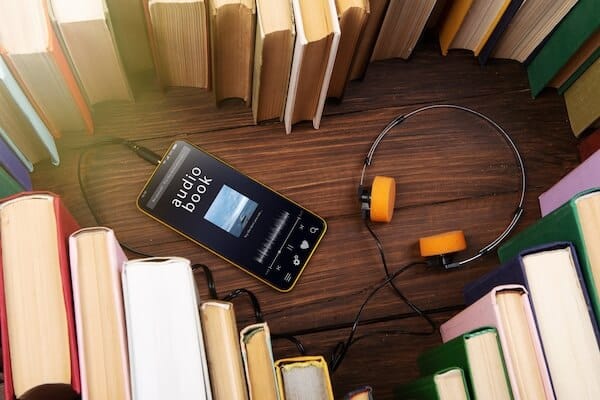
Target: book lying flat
{"type": "Point", "coordinates": [166, 346]}
{"type": "Point", "coordinates": [479, 355]}
{"type": "Point", "coordinates": [561, 308]}
{"type": "Point", "coordinates": [39, 350]}
{"type": "Point", "coordinates": [446, 384]}
{"type": "Point", "coordinates": [506, 308]}
{"type": "Point", "coordinates": [96, 264]}
{"type": "Point", "coordinates": [304, 378]}
{"type": "Point", "coordinates": [223, 350]}
{"type": "Point", "coordinates": [257, 355]}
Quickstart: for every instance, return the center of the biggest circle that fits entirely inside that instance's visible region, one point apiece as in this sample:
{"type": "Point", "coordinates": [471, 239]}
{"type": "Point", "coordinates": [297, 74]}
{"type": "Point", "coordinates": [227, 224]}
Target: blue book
{"type": "Point", "coordinates": [14, 101]}
{"type": "Point", "coordinates": [11, 163]}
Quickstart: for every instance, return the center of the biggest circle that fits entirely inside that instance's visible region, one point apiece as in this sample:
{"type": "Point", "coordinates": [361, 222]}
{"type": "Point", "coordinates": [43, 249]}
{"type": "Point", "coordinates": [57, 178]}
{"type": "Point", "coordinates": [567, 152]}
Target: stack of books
{"type": "Point", "coordinates": [81, 319]}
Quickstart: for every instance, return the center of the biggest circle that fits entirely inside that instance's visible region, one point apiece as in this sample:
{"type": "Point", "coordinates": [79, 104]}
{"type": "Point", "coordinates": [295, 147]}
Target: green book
{"type": "Point", "coordinates": [479, 355]}
{"type": "Point", "coordinates": [570, 34]}
{"type": "Point", "coordinates": [447, 384]}
{"type": "Point", "coordinates": [578, 222]}
{"type": "Point", "coordinates": [8, 185]}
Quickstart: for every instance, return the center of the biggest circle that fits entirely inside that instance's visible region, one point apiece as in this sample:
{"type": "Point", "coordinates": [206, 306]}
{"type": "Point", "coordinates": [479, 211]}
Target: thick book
{"type": "Point", "coordinates": [317, 38]}
{"type": "Point", "coordinates": [478, 24]}
{"type": "Point", "coordinates": [582, 100]}
{"type": "Point", "coordinates": [583, 177]}
{"type": "Point", "coordinates": [578, 222]}
{"type": "Point", "coordinates": [37, 323]}
{"type": "Point", "coordinates": [567, 328]}
{"type": "Point", "coordinates": [368, 39]}
{"type": "Point", "coordinates": [11, 163]}
{"type": "Point", "coordinates": [570, 34]}
{"type": "Point", "coordinates": [223, 350]}
{"type": "Point", "coordinates": [179, 37]}
{"type": "Point", "coordinates": [304, 378]}
{"type": "Point", "coordinates": [532, 23]}
{"type": "Point", "coordinates": [506, 308]}
{"type": "Point", "coordinates": [503, 24]}
{"type": "Point", "coordinates": [273, 49]}
{"type": "Point", "coordinates": [36, 58]}
{"type": "Point", "coordinates": [20, 125]}
{"type": "Point", "coordinates": [452, 22]}
{"type": "Point", "coordinates": [446, 384]}
{"type": "Point", "coordinates": [479, 355]}
{"type": "Point", "coordinates": [259, 365]}
{"type": "Point", "coordinates": [96, 265]}
{"type": "Point", "coordinates": [166, 347]}
{"type": "Point", "coordinates": [86, 24]}
{"type": "Point", "coordinates": [401, 28]}
{"type": "Point", "coordinates": [352, 16]}
{"type": "Point", "coordinates": [232, 33]}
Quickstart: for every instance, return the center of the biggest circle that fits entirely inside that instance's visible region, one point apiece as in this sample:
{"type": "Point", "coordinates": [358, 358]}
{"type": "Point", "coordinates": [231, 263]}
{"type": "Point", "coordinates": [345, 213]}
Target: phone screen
{"type": "Point", "coordinates": [232, 215]}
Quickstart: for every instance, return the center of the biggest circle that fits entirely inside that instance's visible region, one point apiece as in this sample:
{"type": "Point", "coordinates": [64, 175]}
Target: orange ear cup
{"type": "Point", "coordinates": [443, 243]}
{"type": "Point", "coordinates": [383, 195]}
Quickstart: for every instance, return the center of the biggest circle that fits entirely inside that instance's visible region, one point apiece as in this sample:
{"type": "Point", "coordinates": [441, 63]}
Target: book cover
{"type": "Point", "coordinates": [567, 328]}
{"type": "Point", "coordinates": [96, 265]}
{"type": "Point", "coordinates": [309, 83]}
{"type": "Point", "coordinates": [259, 365]}
{"type": "Point", "coordinates": [479, 355]}
{"type": "Point", "coordinates": [47, 256]}
{"type": "Point", "coordinates": [362, 393]}
{"type": "Point", "coordinates": [589, 145]}
{"type": "Point", "coordinates": [517, 331]}
{"type": "Point", "coordinates": [562, 224]}
{"type": "Point", "coordinates": [452, 23]}
{"type": "Point", "coordinates": [585, 56]}
{"type": "Point", "coordinates": [43, 70]}
{"type": "Point", "coordinates": [582, 100]}
{"type": "Point", "coordinates": [449, 383]}
{"type": "Point", "coordinates": [8, 185]}
{"type": "Point", "coordinates": [571, 33]}
{"type": "Point", "coordinates": [21, 101]}
{"type": "Point", "coordinates": [304, 378]}
{"type": "Point", "coordinates": [166, 347]}
{"type": "Point", "coordinates": [501, 26]}
{"type": "Point", "coordinates": [585, 176]}
{"type": "Point", "coordinates": [223, 350]}
{"type": "Point", "coordinates": [368, 39]}
{"type": "Point", "coordinates": [13, 165]}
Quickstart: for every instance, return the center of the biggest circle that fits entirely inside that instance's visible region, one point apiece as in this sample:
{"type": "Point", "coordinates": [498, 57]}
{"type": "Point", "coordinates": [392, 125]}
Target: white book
{"type": "Point", "coordinates": [166, 347]}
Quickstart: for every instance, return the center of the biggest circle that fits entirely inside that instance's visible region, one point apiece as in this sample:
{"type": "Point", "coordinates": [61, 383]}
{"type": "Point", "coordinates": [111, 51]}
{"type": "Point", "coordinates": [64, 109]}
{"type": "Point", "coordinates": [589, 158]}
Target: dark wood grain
{"type": "Point", "coordinates": [452, 172]}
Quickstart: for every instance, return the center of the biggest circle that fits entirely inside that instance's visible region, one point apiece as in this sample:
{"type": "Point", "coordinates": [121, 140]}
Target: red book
{"type": "Point", "coordinates": [589, 145]}
{"type": "Point", "coordinates": [36, 303]}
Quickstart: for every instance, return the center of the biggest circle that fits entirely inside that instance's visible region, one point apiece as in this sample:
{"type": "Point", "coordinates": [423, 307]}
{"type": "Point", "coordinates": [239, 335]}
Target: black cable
{"type": "Point", "coordinates": [290, 338]}
{"type": "Point", "coordinates": [258, 315]}
{"type": "Point", "coordinates": [210, 281]}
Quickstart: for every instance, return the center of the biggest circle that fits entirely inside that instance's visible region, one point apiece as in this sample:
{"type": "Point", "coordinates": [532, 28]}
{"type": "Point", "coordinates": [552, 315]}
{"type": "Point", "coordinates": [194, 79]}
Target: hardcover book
{"type": "Point", "coordinates": [257, 356]}
{"type": "Point", "coordinates": [446, 384]}
{"type": "Point", "coordinates": [39, 345]}
{"type": "Point", "coordinates": [567, 328]}
{"type": "Point", "coordinates": [582, 100]}
{"type": "Point", "coordinates": [304, 378]}
{"type": "Point", "coordinates": [506, 308]}
{"type": "Point", "coordinates": [10, 162]}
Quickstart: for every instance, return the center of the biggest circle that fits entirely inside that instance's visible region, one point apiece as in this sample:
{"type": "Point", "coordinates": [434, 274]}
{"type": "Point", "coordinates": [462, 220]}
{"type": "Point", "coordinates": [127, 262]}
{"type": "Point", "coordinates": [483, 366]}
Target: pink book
{"type": "Point", "coordinates": [493, 311]}
{"type": "Point", "coordinates": [585, 176]}
{"type": "Point", "coordinates": [96, 263]}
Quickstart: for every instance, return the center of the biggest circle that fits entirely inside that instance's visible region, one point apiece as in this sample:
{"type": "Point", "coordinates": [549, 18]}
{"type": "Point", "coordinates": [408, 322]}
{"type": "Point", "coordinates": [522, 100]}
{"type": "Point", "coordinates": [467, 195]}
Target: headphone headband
{"type": "Point", "coordinates": [518, 210]}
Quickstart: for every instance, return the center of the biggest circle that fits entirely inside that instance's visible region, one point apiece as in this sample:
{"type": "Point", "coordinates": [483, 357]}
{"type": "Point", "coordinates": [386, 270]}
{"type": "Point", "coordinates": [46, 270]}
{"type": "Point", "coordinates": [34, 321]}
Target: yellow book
{"type": "Point", "coordinates": [582, 100]}
{"type": "Point", "coordinates": [257, 354]}
{"type": "Point", "coordinates": [304, 378]}
{"type": "Point", "coordinates": [452, 23]}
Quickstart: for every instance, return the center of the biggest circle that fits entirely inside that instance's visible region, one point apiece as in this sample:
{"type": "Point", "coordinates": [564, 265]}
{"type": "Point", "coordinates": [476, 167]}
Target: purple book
{"type": "Point", "coordinates": [14, 166]}
{"type": "Point", "coordinates": [585, 176]}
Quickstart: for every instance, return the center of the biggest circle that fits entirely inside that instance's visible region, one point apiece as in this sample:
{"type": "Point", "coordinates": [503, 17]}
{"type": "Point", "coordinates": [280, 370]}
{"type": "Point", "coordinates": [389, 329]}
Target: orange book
{"type": "Point", "coordinates": [35, 56]}
{"type": "Point", "coordinates": [37, 325]}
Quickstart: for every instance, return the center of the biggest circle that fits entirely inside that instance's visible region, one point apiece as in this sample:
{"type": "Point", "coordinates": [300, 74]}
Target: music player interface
{"type": "Point", "coordinates": [238, 218]}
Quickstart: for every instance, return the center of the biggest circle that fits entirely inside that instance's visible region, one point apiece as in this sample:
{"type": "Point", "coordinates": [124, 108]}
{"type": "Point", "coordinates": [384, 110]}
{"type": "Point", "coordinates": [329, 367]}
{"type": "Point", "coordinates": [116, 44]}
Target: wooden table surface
{"type": "Point", "coordinates": [452, 172]}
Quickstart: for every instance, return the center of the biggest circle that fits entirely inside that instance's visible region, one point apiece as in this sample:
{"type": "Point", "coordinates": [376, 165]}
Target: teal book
{"type": "Point", "coordinates": [570, 34]}
{"type": "Point", "coordinates": [577, 221]}
{"type": "Point", "coordinates": [12, 97]}
{"type": "Point", "coordinates": [479, 355]}
{"type": "Point", "coordinates": [447, 384]}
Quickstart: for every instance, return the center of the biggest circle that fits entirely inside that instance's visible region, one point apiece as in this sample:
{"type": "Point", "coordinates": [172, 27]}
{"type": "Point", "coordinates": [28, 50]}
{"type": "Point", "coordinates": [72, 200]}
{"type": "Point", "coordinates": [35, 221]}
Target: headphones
{"type": "Point", "coordinates": [377, 200]}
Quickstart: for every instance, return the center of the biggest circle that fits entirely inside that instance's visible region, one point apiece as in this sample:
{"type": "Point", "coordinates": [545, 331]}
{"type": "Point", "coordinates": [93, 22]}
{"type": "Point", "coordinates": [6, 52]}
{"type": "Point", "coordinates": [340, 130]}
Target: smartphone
{"type": "Point", "coordinates": [239, 219]}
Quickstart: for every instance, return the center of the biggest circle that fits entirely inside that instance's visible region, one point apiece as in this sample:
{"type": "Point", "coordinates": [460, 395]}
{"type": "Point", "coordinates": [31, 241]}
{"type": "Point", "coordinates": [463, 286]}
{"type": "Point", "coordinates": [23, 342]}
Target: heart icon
{"type": "Point", "coordinates": [304, 245]}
